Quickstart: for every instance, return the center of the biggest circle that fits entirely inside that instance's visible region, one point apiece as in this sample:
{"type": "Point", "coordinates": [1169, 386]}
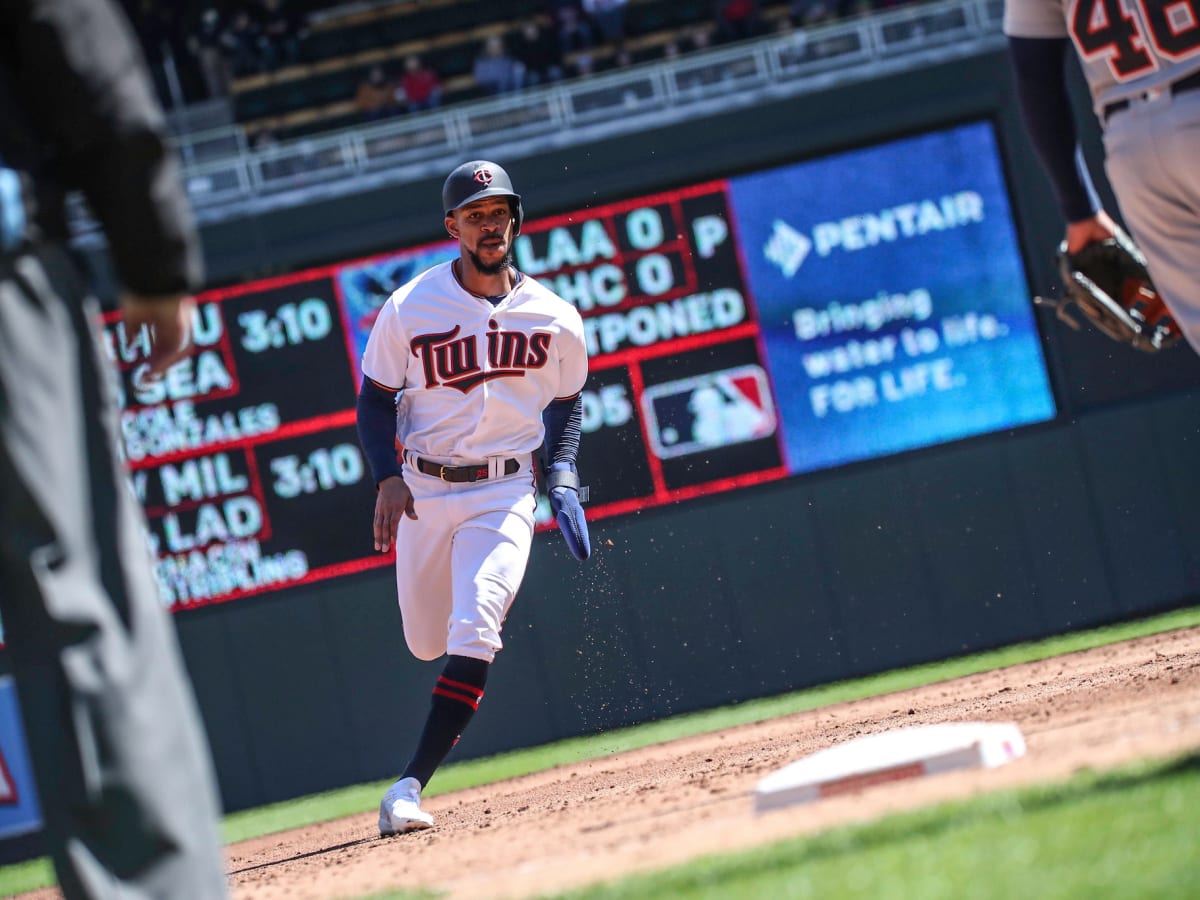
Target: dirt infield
{"type": "Point", "coordinates": [650, 808]}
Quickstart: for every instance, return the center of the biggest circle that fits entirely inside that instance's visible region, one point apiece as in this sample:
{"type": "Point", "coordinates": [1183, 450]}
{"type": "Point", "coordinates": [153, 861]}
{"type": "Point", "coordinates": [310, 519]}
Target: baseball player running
{"type": "Point", "coordinates": [1141, 59]}
{"type": "Point", "coordinates": [472, 366]}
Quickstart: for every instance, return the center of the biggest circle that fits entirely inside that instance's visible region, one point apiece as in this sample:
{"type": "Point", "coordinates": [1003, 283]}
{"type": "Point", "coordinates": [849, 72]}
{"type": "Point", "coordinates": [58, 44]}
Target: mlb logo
{"type": "Point", "coordinates": [19, 810]}
{"type": "Point", "coordinates": [717, 409]}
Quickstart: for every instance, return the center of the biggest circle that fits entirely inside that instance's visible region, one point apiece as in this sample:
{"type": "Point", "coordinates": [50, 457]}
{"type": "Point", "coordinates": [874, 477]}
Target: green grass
{"type": "Point", "coordinates": [359, 798]}
{"type": "Point", "coordinates": [1125, 834]}
{"type": "Point", "coordinates": [26, 876]}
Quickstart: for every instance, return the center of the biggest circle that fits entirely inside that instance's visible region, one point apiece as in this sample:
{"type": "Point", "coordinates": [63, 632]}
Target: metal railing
{"type": "Point", "coordinates": [246, 180]}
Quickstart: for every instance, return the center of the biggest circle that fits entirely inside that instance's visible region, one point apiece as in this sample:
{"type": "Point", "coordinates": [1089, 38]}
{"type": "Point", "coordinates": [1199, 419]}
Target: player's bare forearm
{"type": "Point", "coordinates": [393, 502]}
{"type": "Point", "coordinates": [1087, 231]}
{"type": "Point", "coordinates": [170, 323]}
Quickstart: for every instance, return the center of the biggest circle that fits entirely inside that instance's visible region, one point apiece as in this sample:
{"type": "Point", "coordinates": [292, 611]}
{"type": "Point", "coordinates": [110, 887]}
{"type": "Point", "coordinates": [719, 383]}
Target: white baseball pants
{"type": "Point", "coordinates": [460, 564]}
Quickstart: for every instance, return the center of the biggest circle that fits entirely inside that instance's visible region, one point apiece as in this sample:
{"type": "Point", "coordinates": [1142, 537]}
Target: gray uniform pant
{"type": "Point", "coordinates": [1152, 152]}
{"type": "Point", "coordinates": [121, 762]}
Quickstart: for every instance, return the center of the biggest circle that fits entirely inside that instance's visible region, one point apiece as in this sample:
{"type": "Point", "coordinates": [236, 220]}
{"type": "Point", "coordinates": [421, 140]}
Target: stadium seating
{"type": "Point", "coordinates": [340, 48]}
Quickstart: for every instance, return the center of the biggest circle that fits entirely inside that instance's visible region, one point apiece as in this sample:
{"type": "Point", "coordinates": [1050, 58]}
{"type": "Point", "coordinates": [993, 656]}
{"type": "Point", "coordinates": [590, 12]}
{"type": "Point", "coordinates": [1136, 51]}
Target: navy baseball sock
{"type": "Point", "coordinates": [455, 699]}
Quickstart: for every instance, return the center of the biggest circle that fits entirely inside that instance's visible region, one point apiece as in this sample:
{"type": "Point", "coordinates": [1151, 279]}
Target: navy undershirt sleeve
{"type": "Point", "coordinates": [377, 429]}
{"type": "Point", "coordinates": [563, 420]}
{"type": "Point", "coordinates": [1047, 113]}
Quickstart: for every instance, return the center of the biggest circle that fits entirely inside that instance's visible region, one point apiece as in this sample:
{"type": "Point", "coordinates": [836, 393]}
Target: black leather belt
{"type": "Point", "coordinates": [1190, 83]}
{"type": "Point", "coordinates": [459, 474]}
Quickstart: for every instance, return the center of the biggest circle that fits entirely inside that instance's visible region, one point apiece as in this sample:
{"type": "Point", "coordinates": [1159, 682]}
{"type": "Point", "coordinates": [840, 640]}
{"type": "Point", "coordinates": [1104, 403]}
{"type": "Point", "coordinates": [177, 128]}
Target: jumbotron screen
{"type": "Point", "coordinates": [739, 331]}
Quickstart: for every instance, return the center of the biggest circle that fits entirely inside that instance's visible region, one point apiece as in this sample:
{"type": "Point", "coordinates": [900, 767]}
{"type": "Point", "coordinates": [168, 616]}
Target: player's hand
{"type": "Point", "coordinates": [393, 501]}
{"type": "Point", "coordinates": [1099, 227]}
{"type": "Point", "coordinates": [170, 321]}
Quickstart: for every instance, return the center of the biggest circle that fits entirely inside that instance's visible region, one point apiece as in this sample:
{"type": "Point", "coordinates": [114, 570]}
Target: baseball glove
{"type": "Point", "coordinates": [1107, 281]}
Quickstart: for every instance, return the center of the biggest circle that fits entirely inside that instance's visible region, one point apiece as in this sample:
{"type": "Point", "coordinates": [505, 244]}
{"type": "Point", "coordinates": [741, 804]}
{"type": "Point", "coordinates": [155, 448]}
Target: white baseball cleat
{"type": "Point", "coordinates": [400, 812]}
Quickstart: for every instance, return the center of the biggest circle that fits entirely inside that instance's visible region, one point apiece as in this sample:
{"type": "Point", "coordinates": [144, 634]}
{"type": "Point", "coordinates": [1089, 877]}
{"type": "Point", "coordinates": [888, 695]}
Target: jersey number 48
{"type": "Point", "coordinates": [1125, 31]}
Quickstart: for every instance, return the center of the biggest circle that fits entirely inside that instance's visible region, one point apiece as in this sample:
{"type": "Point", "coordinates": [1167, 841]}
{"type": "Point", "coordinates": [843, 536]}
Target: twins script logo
{"type": "Point", "coordinates": [454, 362]}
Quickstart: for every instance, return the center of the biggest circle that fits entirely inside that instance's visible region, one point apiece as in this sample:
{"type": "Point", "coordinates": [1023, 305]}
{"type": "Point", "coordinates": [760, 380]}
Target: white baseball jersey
{"type": "Point", "coordinates": [1126, 47]}
{"type": "Point", "coordinates": [475, 377]}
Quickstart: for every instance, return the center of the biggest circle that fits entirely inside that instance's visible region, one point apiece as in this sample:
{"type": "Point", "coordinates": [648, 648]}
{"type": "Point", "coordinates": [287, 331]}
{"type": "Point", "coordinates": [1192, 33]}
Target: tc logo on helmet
{"type": "Point", "coordinates": [483, 175]}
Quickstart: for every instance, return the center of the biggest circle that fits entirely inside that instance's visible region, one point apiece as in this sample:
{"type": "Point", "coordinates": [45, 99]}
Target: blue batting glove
{"type": "Point", "coordinates": [564, 502]}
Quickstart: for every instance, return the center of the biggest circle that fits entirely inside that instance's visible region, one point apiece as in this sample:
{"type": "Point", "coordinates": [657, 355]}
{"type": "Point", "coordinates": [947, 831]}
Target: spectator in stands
{"type": "Point", "coordinates": [695, 40]}
{"type": "Point", "coordinates": [849, 9]}
{"type": "Point", "coordinates": [583, 64]}
{"type": "Point", "coordinates": [737, 20]}
{"type": "Point", "coordinates": [266, 148]}
{"type": "Point", "coordinates": [495, 70]}
{"type": "Point", "coordinates": [607, 18]}
{"type": "Point", "coordinates": [376, 95]}
{"type": "Point", "coordinates": [153, 26]}
{"type": "Point", "coordinates": [699, 38]}
{"type": "Point", "coordinates": [265, 141]}
{"type": "Point", "coordinates": [420, 86]}
{"type": "Point", "coordinates": [540, 53]}
{"type": "Point", "coordinates": [805, 13]}
{"type": "Point", "coordinates": [574, 30]}
{"type": "Point", "coordinates": [240, 43]}
{"type": "Point", "coordinates": [283, 28]}
{"type": "Point", "coordinates": [623, 57]}
{"type": "Point", "coordinates": [206, 45]}
{"type": "Point", "coordinates": [164, 34]}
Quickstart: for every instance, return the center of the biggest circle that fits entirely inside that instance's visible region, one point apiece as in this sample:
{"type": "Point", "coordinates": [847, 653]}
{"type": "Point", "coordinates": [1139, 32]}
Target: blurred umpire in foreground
{"type": "Point", "coordinates": [121, 761]}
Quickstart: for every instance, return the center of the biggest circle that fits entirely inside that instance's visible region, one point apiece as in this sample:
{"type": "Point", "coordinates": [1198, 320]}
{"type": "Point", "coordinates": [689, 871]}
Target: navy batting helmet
{"type": "Point", "coordinates": [479, 179]}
